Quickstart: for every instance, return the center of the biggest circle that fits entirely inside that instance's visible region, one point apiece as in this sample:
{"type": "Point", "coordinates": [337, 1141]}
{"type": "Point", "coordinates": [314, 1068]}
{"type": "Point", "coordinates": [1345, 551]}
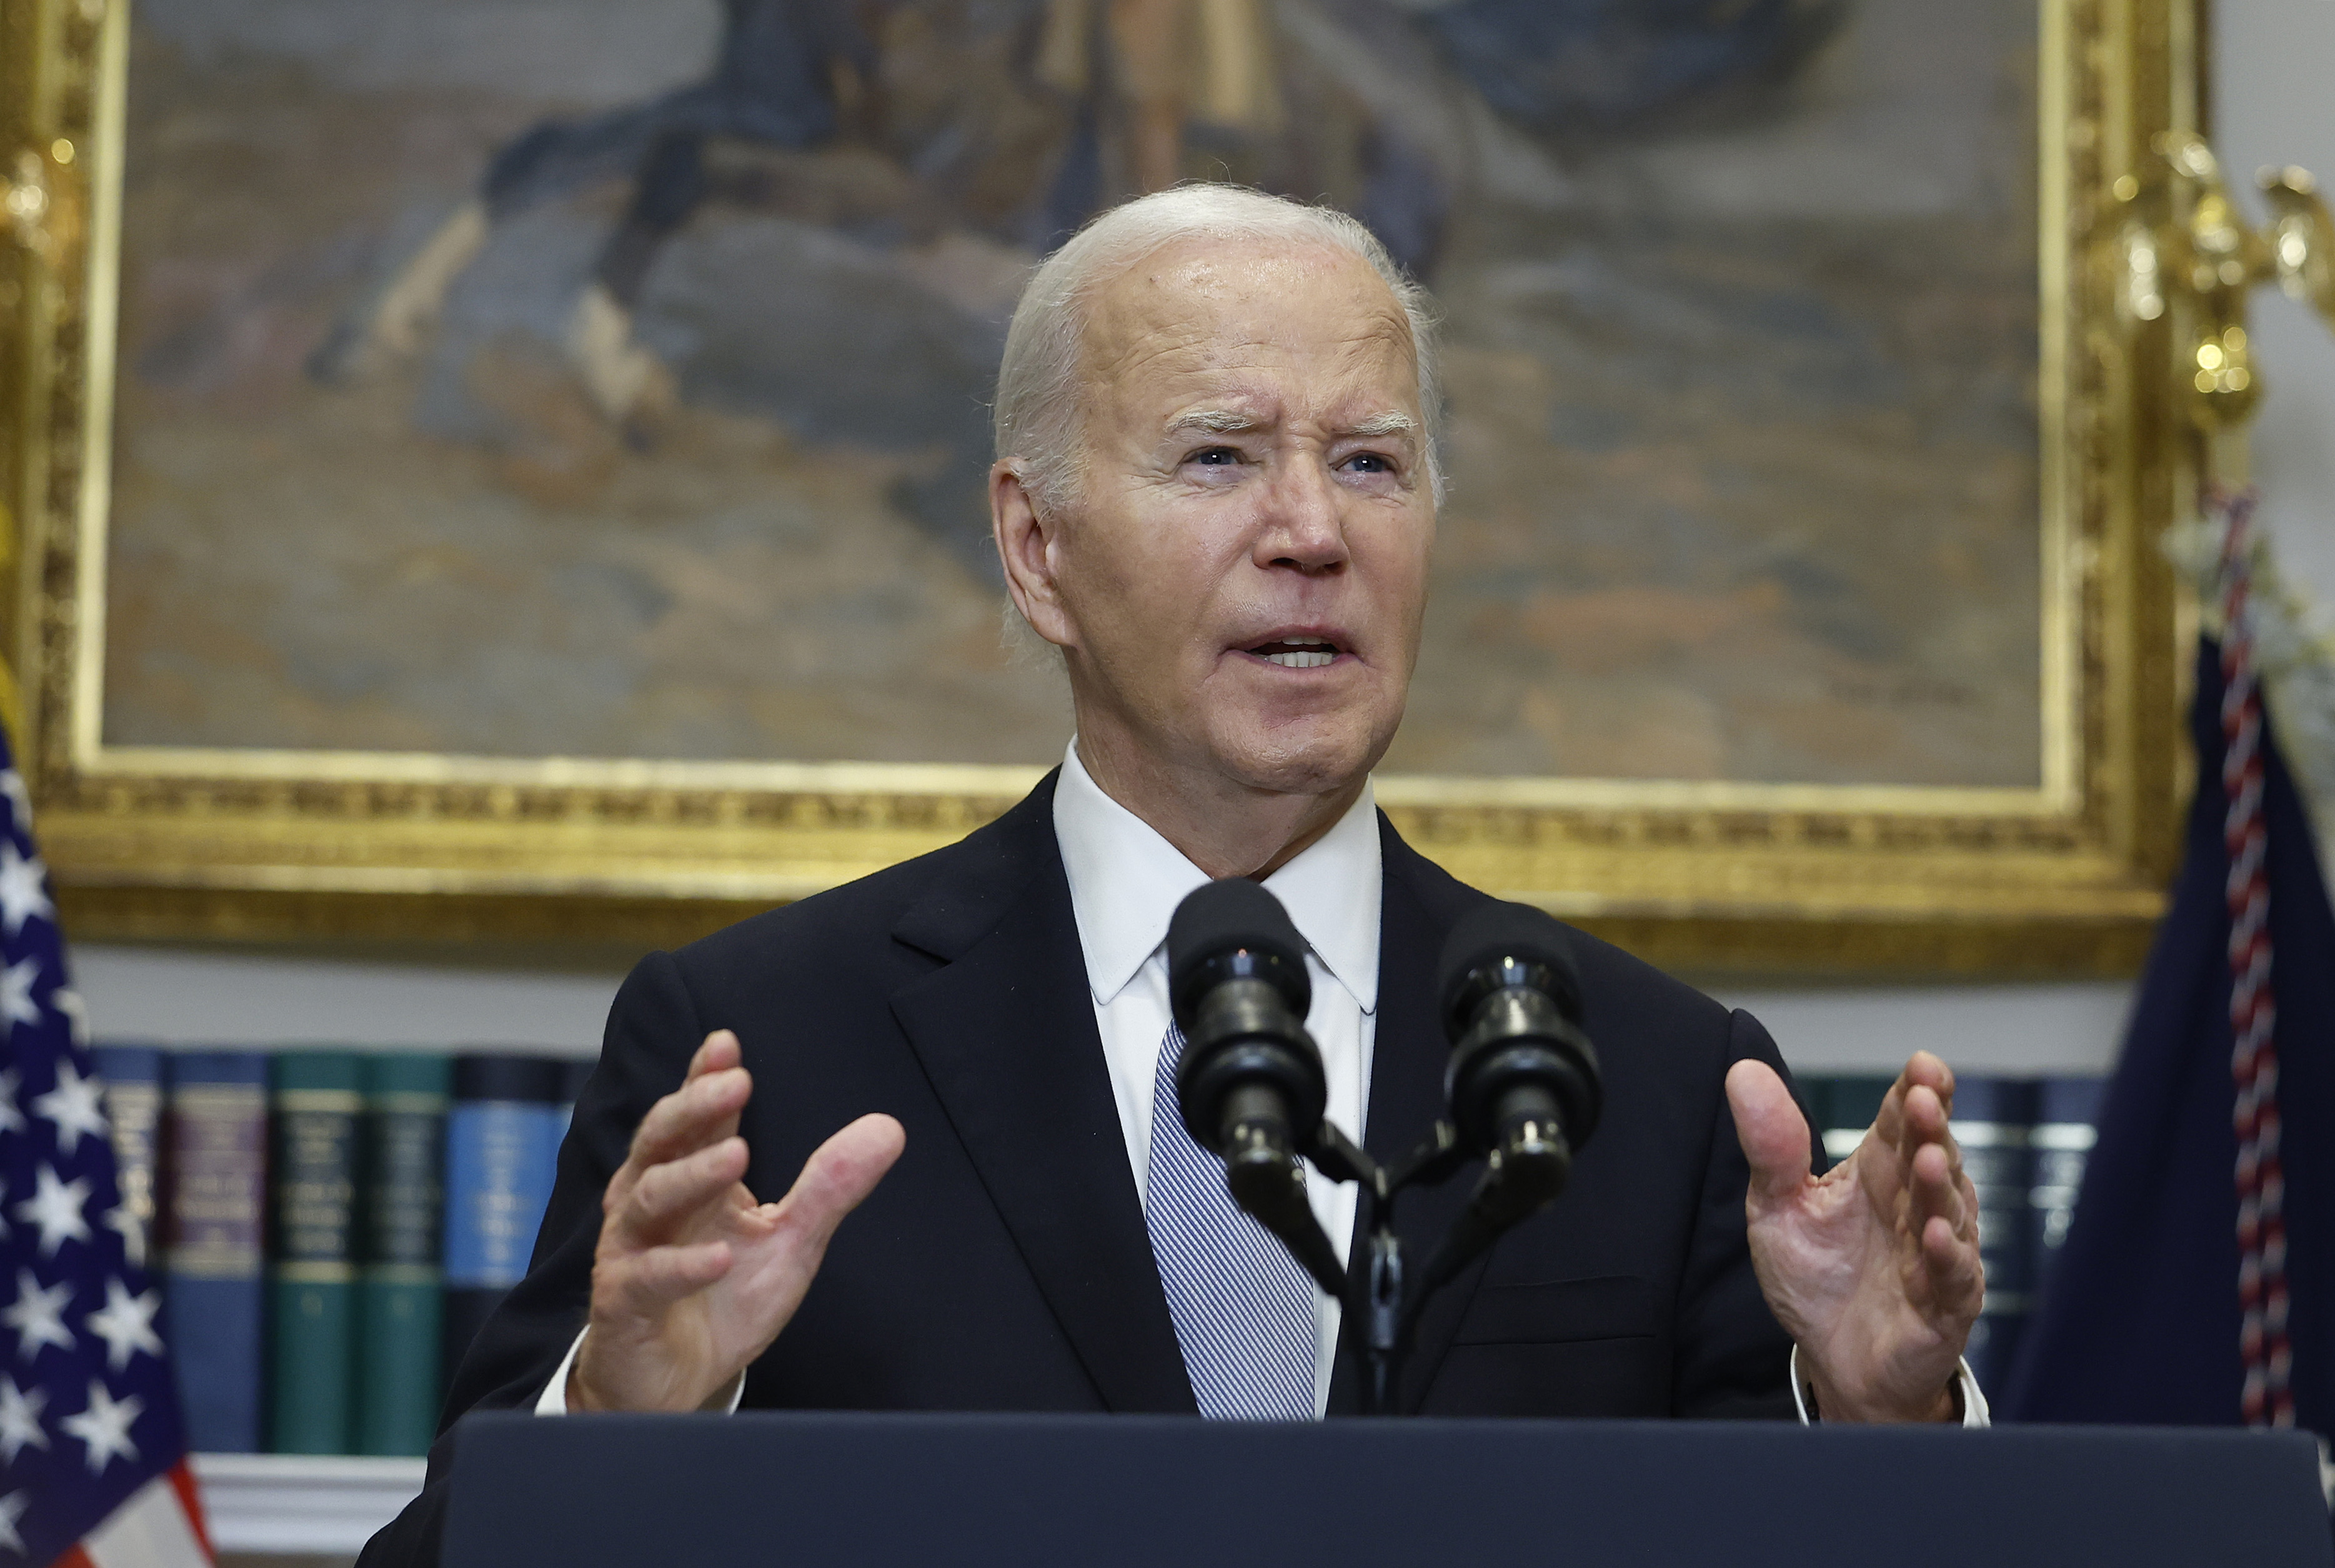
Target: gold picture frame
{"type": "Point", "coordinates": [177, 842]}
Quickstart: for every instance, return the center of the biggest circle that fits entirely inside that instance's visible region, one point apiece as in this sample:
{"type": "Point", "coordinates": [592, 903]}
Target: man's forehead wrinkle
{"type": "Point", "coordinates": [1223, 270]}
{"type": "Point", "coordinates": [1224, 360]}
{"type": "Point", "coordinates": [1209, 330]}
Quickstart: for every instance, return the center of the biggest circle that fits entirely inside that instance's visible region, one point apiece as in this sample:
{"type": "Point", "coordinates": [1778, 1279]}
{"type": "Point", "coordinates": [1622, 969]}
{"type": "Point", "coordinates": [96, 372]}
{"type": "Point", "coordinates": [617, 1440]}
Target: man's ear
{"type": "Point", "coordinates": [1026, 543]}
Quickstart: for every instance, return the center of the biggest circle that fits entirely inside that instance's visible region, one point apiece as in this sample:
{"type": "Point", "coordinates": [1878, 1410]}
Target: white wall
{"type": "Point", "coordinates": [187, 997]}
{"type": "Point", "coordinates": [2275, 81]}
{"type": "Point", "coordinates": [2275, 104]}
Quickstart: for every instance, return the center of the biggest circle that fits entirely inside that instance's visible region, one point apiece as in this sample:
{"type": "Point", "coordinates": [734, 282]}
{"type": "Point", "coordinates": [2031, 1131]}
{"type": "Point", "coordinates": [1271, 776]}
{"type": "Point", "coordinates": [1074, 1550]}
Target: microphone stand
{"type": "Point", "coordinates": [1382, 1299]}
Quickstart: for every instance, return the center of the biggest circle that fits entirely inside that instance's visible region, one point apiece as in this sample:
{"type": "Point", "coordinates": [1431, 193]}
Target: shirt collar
{"type": "Point", "coordinates": [1125, 881]}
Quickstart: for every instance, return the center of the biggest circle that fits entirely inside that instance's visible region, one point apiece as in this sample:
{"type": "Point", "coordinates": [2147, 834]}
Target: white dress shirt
{"type": "Point", "coordinates": [1125, 881]}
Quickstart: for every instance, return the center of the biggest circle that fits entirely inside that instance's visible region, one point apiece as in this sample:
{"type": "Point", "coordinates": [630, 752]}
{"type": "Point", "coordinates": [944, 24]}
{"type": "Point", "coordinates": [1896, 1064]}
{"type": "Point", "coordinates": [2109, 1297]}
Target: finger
{"type": "Point", "coordinates": [1932, 1072]}
{"type": "Point", "coordinates": [702, 1111]}
{"type": "Point", "coordinates": [1957, 1273]}
{"type": "Point", "coordinates": [669, 1196]}
{"type": "Point", "coordinates": [1771, 1129]}
{"type": "Point", "coordinates": [1926, 1126]}
{"type": "Point", "coordinates": [1923, 1069]}
{"type": "Point", "coordinates": [1934, 1191]}
{"type": "Point", "coordinates": [1924, 1112]}
{"type": "Point", "coordinates": [720, 1050]}
{"type": "Point", "coordinates": [837, 1177]}
{"type": "Point", "coordinates": [647, 1283]}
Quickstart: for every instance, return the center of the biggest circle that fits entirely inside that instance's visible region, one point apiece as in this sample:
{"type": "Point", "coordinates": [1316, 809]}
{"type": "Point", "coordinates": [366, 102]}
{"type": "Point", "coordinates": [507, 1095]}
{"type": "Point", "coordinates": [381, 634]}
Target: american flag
{"type": "Point", "coordinates": [93, 1458]}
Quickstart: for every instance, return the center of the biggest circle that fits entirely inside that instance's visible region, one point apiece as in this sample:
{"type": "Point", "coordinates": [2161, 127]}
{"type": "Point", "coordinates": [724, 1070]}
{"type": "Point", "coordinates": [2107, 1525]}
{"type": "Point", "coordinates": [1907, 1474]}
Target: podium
{"type": "Point", "coordinates": [885, 1491]}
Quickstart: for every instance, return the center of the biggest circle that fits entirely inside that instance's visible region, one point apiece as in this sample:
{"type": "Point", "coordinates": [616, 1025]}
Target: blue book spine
{"type": "Point", "coordinates": [214, 1206]}
{"type": "Point", "coordinates": [502, 1147]}
{"type": "Point", "coordinates": [1993, 1123]}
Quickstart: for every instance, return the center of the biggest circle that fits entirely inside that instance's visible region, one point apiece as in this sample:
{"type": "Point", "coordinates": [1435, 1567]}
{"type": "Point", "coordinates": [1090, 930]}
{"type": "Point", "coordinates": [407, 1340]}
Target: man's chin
{"type": "Point", "coordinates": [1301, 758]}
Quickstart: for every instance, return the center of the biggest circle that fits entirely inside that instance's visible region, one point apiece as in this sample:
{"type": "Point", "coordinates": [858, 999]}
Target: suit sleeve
{"type": "Point", "coordinates": [653, 1030]}
{"type": "Point", "coordinates": [1734, 1360]}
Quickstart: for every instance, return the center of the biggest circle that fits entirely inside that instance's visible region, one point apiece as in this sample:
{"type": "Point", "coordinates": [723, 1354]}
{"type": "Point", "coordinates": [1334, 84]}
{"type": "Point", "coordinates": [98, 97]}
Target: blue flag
{"type": "Point", "coordinates": [2144, 1320]}
{"type": "Point", "coordinates": [92, 1457]}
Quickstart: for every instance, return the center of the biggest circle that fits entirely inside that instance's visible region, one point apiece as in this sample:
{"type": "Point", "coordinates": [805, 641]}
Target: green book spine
{"type": "Point", "coordinates": [315, 1097]}
{"type": "Point", "coordinates": [400, 1289]}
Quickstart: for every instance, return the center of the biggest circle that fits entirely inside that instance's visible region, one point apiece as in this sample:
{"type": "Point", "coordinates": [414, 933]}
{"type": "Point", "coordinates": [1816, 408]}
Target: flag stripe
{"type": "Point", "coordinates": [150, 1530]}
{"type": "Point", "coordinates": [191, 1499]}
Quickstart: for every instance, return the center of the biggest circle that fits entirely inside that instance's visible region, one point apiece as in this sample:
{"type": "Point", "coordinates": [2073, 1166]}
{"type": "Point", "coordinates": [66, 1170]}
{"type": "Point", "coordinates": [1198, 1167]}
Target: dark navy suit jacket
{"type": "Point", "coordinates": [1003, 1264]}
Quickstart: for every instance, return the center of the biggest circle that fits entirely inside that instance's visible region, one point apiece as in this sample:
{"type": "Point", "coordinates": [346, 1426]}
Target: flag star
{"type": "Point", "coordinates": [16, 1003]}
{"type": "Point", "coordinates": [66, 1001]}
{"type": "Point", "coordinates": [23, 889]}
{"type": "Point", "coordinates": [126, 1324]}
{"type": "Point", "coordinates": [38, 1316]}
{"type": "Point", "coordinates": [56, 1208]}
{"type": "Point", "coordinates": [12, 1118]}
{"type": "Point", "coordinates": [74, 1106]}
{"type": "Point", "coordinates": [20, 1420]}
{"type": "Point", "coordinates": [12, 1508]}
{"type": "Point", "coordinates": [133, 1233]}
{"type": "Point", "coordinates": [104, 1427]}
{"type": "Point", "coordinates": [12, 788]}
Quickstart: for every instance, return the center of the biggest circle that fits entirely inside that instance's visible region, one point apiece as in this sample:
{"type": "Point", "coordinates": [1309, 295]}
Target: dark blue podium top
{"type": "Point", "coordinates": [894, 1491]}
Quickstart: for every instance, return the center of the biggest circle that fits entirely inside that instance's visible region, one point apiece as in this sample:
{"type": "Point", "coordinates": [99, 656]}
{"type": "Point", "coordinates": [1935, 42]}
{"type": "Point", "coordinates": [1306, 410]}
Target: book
{"type": "Point", "coordinates": [502, 1143]}
{"type": "Point", "coordinates": [315, 1097]}
{"type": "Point", "coordinates": [213, 1206]}
{"type": "Point", "coordinates": [1993, 1120]}
{"type": "Point", "coordinates": [135, 1077]}
{"type": "Point", "coordinates": [2067, 1125]}
{"type": "Point", "coordinates": [401, 1230]}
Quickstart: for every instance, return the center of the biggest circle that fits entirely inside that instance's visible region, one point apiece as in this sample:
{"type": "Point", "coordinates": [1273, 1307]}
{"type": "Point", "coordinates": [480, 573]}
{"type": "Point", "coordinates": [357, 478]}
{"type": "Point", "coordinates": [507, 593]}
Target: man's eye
{"type": "Point", "coordinates": [1214, 457]}
{"type": "Point", "coordinates": [1371, 463]}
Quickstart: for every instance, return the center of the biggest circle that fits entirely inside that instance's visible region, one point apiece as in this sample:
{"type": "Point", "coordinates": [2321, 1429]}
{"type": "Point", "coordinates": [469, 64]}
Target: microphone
{"type": "Point", "coordinates": [1522, 1076]}
{"type": "Point", "coordinates": [1250, 1084]}
{"type": "Point", "coordinates": [1236, 982]}
{"type": "Point", "coordinates": [1523, 1082]}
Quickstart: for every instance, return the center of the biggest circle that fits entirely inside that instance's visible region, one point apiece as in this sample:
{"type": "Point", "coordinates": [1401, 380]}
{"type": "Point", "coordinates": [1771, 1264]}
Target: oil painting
{"type": "Point", "coordinates": [528, 378]}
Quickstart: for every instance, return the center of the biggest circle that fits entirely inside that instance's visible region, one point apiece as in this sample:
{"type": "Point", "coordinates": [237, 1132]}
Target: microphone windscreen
{"type": "Point", "coordinates": [1492, 932]}
{"type": "Point", "coordinates": [1221, 916]}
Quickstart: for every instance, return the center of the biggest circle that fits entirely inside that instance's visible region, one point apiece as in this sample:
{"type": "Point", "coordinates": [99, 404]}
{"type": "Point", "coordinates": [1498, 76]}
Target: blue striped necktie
{"type": "Point", "coordinates": [1243, 1310]}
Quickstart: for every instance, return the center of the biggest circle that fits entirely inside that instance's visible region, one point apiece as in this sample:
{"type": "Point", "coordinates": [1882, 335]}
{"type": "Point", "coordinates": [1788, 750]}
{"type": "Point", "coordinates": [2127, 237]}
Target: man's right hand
{"type": "Point", "coordinates": [693, 1278]}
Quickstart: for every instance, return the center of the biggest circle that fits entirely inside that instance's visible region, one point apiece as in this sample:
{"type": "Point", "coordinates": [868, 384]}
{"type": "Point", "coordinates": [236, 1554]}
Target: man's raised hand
{"type": "Point", "coordinates": [1873, 1269]}
{"type": "Point", "coordinates": [693, 1278]}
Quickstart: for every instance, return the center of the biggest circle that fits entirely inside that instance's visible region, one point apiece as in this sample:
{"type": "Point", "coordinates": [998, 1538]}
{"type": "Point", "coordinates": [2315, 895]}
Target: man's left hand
{"type": "Point", "coordinates": [1873, 1268]}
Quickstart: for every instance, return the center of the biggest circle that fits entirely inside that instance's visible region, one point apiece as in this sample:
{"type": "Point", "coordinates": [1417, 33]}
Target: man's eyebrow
{"type": "Point", "coordinates": [1224, 421]}
{"type": "Point", "coordinates": [1217, 421]}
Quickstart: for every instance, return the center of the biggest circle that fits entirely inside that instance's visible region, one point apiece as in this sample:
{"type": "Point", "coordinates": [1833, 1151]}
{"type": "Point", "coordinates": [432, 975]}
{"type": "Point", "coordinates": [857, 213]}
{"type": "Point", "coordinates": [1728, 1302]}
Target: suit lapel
{"type": "Point", "coordinates": [1006, 1034]}
{"type": "Point", "coordinates": [1406, 1060]}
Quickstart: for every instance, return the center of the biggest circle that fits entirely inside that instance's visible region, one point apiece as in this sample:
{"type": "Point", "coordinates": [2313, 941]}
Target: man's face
{"type": "Point", "coordinates": [1241, 569]}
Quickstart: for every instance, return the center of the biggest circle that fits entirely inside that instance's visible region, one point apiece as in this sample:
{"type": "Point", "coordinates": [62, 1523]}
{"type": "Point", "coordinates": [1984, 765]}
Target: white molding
{"type": "Point", "coordinates": [300, 1502]}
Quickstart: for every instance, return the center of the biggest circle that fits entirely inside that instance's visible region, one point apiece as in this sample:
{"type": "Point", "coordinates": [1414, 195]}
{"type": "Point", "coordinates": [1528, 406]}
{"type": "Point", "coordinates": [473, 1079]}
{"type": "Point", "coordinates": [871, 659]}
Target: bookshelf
{"type": "Point", "coordinates": [296, 1503]}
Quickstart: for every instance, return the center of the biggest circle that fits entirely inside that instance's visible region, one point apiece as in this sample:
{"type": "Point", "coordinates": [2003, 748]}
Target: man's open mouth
{"type": "Point", "coordinates": [1298, 652]}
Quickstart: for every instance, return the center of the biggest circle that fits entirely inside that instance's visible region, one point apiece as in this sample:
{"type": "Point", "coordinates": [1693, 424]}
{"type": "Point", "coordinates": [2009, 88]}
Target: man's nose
{"type": "Point", "coordinates": [1302, 525]}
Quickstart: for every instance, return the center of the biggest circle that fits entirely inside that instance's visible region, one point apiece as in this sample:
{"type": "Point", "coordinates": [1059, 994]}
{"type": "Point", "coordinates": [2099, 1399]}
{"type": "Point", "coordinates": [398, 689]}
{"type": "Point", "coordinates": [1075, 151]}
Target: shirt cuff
{"type": "Point", "coordinates": [553, 1400]}
{"type": "Point", "coordinates": [1974, 1410]}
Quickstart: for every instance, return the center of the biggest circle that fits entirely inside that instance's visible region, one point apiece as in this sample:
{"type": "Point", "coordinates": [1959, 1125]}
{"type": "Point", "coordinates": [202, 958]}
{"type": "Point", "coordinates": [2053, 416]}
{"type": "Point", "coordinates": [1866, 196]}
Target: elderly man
{"type": "Point", "coordinates": [1216, 495]}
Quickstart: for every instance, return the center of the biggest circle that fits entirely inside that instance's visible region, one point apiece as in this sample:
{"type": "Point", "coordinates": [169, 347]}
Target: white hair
{"type": "Point", "coordinates": [1038, 414]}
